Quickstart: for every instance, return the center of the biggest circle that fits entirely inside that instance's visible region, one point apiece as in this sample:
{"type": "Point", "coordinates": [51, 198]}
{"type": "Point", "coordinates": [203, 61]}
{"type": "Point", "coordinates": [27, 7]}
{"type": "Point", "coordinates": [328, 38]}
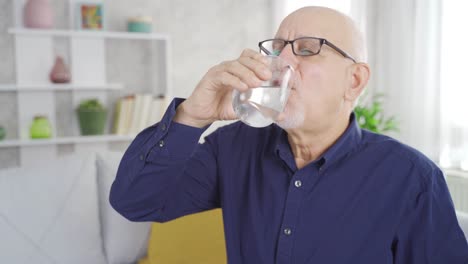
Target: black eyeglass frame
{"type": "Point", "coordinates": [322, 42]}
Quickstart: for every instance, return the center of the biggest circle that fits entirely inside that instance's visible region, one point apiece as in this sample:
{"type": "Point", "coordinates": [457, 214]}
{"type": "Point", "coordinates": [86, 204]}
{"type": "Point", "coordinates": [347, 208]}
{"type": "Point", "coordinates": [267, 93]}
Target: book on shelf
{"type": "Point", "coordinates": [135, 112]}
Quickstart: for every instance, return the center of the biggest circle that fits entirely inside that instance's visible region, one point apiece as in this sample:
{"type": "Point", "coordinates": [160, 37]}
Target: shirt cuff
{"type": "Point", "coordinates": [173, 140]}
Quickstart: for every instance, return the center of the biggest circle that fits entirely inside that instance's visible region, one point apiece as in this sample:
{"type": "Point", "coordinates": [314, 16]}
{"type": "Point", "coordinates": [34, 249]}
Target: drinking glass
{"type": "Point", "coordinates": [260, 106]}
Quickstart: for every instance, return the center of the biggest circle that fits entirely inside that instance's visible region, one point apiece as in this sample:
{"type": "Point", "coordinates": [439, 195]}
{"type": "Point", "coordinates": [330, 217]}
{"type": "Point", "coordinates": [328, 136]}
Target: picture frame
{"type": "Point", "coordinates": [90, 16]}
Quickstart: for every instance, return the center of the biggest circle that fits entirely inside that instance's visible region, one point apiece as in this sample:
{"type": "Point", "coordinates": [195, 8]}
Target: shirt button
{"type": "Point", "coordinates": [287, 231]}
{"type": "Point", "coordinates": [142, 157]}
{"type": "Point", "coordinates": [298, 183]}
{"type": "Point", "coordinates": [163, 127]}
{"type": "Point", "coordinates": [161, 143]}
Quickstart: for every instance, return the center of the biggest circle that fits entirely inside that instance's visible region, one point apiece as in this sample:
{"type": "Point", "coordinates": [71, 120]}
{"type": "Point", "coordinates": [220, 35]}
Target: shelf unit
{"type": "Point", "coordinates": [87, 34]}
{"type": "Point", "coordinates": [34, 53]}
{"type": "Point", "coordinates": [58, 87]}
{"type": "Point", "coordinates": [65, 140]}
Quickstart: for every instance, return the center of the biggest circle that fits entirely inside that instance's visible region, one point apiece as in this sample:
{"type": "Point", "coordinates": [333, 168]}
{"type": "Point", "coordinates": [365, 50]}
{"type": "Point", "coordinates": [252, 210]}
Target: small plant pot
{"type": "Point", "coordinates": [92, 122]}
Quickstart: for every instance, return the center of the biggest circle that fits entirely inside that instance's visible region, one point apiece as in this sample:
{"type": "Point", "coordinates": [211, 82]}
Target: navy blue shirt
{"type": "Point", "coordinates": [367, 199]}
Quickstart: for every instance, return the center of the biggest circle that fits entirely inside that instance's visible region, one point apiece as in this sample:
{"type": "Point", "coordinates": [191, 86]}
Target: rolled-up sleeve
{"type": "Point", "coordinates": [165, 173]}
{"type": "Point", "coordinates": [429, 232]}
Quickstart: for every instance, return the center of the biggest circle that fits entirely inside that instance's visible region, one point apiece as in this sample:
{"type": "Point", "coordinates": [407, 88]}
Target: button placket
{"type": "Point", "coordinates": [291, 214]}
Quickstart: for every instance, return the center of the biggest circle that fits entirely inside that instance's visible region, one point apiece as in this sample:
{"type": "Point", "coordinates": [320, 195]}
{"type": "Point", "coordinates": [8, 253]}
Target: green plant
{"type": "Point", "coordinates": [371, 116]}
{"type": "Point", "coordinates": [90, 105]}
{"type": "Point", "coordinates": [2, 133]}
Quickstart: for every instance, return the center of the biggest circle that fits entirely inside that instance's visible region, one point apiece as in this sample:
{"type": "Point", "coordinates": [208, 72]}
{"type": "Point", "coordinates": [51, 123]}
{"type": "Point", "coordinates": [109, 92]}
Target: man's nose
{"type": "Point", "coordinates": [288, 55]}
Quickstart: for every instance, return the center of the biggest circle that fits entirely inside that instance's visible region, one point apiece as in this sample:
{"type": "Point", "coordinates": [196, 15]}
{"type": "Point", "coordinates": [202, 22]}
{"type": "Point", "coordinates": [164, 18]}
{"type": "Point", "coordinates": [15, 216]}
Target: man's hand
{"type": "Point", "coordinates": [211, 99]}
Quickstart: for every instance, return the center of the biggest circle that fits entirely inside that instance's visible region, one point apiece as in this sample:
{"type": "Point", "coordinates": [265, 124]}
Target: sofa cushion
{"type": "Point", "coordinates": [49, 214]}
{"type": "Point", "coordinates": [124, 241]}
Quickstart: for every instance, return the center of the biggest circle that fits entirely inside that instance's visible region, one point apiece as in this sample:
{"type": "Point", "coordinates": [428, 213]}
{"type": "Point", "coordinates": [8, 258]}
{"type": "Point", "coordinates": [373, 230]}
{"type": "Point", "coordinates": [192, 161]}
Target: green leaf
{"type": "Point", "coordinates": [91, 104]}
{"type": "Point", "coordinates": [371, 117]}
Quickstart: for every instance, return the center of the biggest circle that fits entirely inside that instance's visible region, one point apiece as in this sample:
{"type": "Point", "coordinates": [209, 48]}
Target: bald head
{"type": "Point", "coordinates": [326, 23]}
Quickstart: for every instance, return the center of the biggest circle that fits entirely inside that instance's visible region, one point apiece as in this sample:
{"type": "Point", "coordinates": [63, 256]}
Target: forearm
{"type": "Point", "coordinates": [151, 167]}
{"type": "Point", "coordinates": [141, 195]}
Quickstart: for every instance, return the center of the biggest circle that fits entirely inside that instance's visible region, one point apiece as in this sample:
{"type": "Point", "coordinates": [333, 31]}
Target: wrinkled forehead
{"type": "Point", "coordinates": [315, 22]}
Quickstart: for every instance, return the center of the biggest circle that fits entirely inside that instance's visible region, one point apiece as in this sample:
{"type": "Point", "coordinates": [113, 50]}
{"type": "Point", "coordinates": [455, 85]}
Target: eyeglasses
{"type": "Point", "coordinates": [304, 46]}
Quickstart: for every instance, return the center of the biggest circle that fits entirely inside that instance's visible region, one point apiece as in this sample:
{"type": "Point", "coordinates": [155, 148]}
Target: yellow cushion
{"type": "Point", "coordinates": [197, 238]}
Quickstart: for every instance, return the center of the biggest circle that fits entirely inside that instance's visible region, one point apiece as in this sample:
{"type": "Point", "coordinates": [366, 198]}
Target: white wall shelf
{"type": "Point", "coordinates": [58, 87]}
{"type": "Point", "coordinates": [65, 140]}
{"type": "Point", "coordinates": [91, 59]}
{"type": "Point", "coordinates": [87, 34]}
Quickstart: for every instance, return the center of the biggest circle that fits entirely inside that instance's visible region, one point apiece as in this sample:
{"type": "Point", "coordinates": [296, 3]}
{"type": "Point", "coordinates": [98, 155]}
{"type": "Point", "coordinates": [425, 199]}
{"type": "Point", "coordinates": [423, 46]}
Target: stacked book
{"type": "Point", "coordinates": [135, 112]}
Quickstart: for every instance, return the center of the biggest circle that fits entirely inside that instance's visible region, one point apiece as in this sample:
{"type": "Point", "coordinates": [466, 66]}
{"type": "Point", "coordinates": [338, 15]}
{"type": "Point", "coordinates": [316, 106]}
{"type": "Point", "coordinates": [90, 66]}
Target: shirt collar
{"type": "Point", "coordinates": [348, 141]}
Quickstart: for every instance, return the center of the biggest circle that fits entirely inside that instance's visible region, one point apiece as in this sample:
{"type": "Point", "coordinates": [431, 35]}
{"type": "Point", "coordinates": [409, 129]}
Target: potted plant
{"type": "Point", "coordinates": [92, 117]}
{"type": "Point", "coordinates": [371, 116]}
{"type": "Point", "coordinates": [2, 133]}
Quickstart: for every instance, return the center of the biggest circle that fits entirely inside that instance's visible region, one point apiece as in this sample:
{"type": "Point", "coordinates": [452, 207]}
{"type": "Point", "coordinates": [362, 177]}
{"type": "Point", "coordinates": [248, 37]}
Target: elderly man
{"type": "Point", "coordinates": [312, 188]}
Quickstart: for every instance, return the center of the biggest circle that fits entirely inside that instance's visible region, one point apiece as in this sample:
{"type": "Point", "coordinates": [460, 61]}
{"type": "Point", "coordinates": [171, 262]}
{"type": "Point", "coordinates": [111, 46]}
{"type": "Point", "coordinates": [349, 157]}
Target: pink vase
{"type": "Point", "coordinates": [60, 72]}
{"type": "Point", "coordinates": [38, 14]}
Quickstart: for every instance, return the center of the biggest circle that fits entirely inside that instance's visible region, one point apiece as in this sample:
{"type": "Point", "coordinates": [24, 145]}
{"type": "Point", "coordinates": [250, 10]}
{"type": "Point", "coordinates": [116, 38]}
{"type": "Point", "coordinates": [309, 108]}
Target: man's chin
{"type": "Point", "coordinates": [292, 117]}
{"type": "Point", "coordinates": [290, 121]}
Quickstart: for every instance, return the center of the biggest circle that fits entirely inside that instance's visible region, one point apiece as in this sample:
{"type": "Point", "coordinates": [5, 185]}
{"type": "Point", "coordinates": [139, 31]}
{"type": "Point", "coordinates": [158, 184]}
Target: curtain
{"type": "Point", "coordinates": [454, 90]}
{"type": "Point", "coordinates": [403, 40]}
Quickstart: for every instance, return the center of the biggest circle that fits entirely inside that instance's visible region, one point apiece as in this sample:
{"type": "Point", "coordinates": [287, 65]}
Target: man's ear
{"type": "Point", "coordinates": [359, 76]}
